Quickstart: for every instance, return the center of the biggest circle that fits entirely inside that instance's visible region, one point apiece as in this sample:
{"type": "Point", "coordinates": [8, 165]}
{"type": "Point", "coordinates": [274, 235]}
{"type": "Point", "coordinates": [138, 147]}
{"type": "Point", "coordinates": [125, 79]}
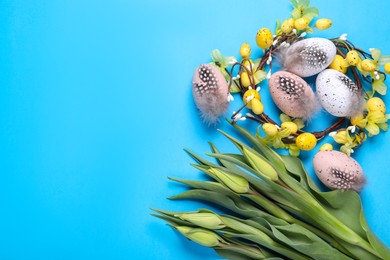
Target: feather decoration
{"type": "Point", "coordinates": [210, 91]}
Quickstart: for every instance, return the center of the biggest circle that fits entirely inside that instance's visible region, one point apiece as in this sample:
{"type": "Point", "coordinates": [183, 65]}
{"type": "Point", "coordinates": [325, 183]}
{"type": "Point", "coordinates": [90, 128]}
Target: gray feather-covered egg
{"type": "Point", "coordinates": [309, 57]}
{"type": "Point", "coordinates": [292, 94]}
{"type": "Point", "coordinates": [336, 170]}
{"type": "Point", "coordinates": [338, 94]}
{"type": "Point", "coordinates": [210, 91]}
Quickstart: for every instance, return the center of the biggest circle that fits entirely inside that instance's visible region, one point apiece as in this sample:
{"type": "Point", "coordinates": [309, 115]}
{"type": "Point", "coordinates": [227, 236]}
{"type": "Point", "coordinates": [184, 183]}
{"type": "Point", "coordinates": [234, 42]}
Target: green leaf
{"type": "Point", "coordinates": [205, 185]}
{"type": "Point", "coordinates": [278, 29]}
{"type": "Point", "coordinates": [309, 30]}
{"type": "Point", "coordinates": [277, 143]}
{"type": "Point", "coordinates": [358, 252]}
{"type": "Point", "coordinates": [260, 185]}
{"type": "Point", "coordinates": [260, 75]}
{"type": "Point", "coordinates": [262, 148]}
{"type": "Point", "coordinates": [376, 54]}
{"type": "Point", "coordinates": [374, 240]}
{"type": "Point", "coordinates": [310, 12]}
{"type": "Point", "coordinates": [230, 60]}
{"type": "Point", "coordinates": [304, 3]}
{"type": "Point", "coordinates": [346, 149]}
{"type": "Point", "coordinates": [383, 60]}
{"type": "Point", "coordinates": [242, 226]}
{"type": "Point", "coordinates": [296, 13]}
{"type": "Point", "coordinates": [234, 89]}
{"type": "Point", "coordinates": [379, 86]}
{"type": "Point", "coordinates": [372, 128]}
{"type": "Point", "coordinates": [233, 203]}
{"type": "Point", "coordinates": [240, 145]}
{"type": "Point", "coordinates": [299, 122]}
{"type": "Point", "coordinates": [269, 206]}
{"type": "Point", "coordinates": [383, 126]}
{"type": "Point", "coordinates": [284, 118]}
{"type": "Point", "coordinates": [306, 242]}
{"type": "Point", "coordinates": [237, 160]}
{"type": "Point", "coordinates": [251, 249]}
{"type": "Point", "coordinates": [216, 55]}
{"type": "Point", "coordinates": [199, 159]}
{"type": "Point", "coordinates": [294, 151]}
{"type": "Point", "coordinates": [239, 253]}
{"type": "Point", "coordinates": [169, 217]}
{"type": "Point", "coordinates": [294, 166]}
{"type": "Point", "coordinates": [370, 94]}
{"type": "Point", "coordinates": [281, 249]}
{"type": "Point", "coordinates": [294, 3]}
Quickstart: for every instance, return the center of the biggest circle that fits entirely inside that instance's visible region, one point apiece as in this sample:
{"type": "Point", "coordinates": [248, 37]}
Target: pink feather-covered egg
{"type": "Point", "coordinates": [338, 171]}
{"type": "Point", "coordinates": [210, 91]}
{"type": "Point", "coordinates": [292, 95]}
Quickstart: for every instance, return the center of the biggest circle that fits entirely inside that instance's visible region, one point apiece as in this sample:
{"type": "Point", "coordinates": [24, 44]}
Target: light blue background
{"type": "Point", "coordinates": [96, 106]}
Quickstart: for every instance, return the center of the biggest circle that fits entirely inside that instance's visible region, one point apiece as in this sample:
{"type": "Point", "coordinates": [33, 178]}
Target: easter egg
{"type": "Point", "coordinates": [336, 170]}
{"type": "Point", "coordinates": [292, 95]}
{"type": "Point", "coordinates": [338, 94]}
{"type": "Point", "coordinates": [210, 91]}
{"type": "Point", "coordinates": [308, 57]}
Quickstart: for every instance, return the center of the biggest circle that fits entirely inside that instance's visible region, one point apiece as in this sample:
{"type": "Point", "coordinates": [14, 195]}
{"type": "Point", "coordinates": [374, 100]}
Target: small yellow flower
{"type": "Point", "coordinates": [342, 137]}
{"type": "Point", "coordinates": [359, 120]}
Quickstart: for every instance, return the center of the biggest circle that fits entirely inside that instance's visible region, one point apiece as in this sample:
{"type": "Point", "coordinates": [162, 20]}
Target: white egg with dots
{"type": "Point", "coordinates": [338, 94]}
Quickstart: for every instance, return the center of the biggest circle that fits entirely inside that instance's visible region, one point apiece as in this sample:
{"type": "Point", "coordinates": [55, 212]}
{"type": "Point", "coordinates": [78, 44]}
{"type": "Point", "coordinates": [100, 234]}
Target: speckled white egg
{"type": "Point", "coordinates": [210, 91]}
{"type": "Point", "coordinates": [309, 57]}
{"type": "Point", "coordinates": [336, 170]}
{"type": "Point", "coordinates": [338, 94]}
{"type": "Point", "coordinates": [292, 95]}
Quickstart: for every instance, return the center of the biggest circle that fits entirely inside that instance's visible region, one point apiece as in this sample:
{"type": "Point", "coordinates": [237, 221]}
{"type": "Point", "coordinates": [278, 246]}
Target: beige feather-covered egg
{"type": "Point", "coordinates": [292, 95]}
{"type": "Point", "coordinates": [336, 170]}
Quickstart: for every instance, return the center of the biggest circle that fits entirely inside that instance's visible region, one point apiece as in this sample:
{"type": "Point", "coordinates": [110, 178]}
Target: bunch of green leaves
{"type": "Point", "coordinates": [302, 8]}
{"type": "Point", "coordinates": [278, 211]}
